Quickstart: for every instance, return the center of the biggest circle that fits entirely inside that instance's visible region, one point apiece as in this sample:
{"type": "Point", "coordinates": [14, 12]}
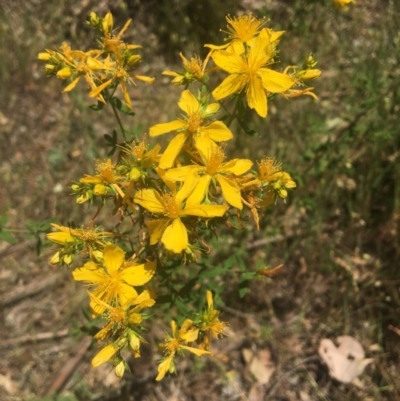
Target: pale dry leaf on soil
{"type": "Point", "coordinates": [7, 384]}
{"type": "Point", "coordinates": [345, 361]}
{"type": "Point", "coordinates": [260, 364]}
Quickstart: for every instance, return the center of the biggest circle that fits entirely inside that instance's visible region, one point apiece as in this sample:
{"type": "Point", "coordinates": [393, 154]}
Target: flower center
{"type": "Point", "coordinates": [194, 122]}
{"type": "Point", "coordinates": [215, 161]}
{"type": "Point", "coordinates": [267, 167]}
{"type": "Point", "coordinates": [171, 205]}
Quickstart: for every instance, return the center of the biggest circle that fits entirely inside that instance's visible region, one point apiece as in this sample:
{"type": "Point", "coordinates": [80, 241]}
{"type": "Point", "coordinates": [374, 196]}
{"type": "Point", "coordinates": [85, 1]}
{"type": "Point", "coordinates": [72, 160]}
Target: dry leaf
{"type": "Point", "coordinates": [260, 364]}
{"type": "Point", "coordinates": [7, 384]}
{"type": "Point", "coordinates": [256, 393]}
{"type": "Point", "coordinates": [345, 362]}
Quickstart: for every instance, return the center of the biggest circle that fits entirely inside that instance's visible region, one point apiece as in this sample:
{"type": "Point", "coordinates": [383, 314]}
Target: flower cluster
{"type": "Point", "coordinates": [172, 195]}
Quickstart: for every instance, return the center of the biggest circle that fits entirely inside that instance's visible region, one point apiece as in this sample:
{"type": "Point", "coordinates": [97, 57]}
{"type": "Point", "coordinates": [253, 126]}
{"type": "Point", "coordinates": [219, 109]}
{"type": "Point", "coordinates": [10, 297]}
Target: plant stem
{"type": "Point", "coordinates": [116, 116]}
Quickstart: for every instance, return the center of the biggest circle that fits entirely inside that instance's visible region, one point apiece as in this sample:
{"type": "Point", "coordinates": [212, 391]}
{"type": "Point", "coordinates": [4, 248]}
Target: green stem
{"type": "Point", "coordinates": [233, 115]}
{"type": "Point", "coordinates": [116, 116]}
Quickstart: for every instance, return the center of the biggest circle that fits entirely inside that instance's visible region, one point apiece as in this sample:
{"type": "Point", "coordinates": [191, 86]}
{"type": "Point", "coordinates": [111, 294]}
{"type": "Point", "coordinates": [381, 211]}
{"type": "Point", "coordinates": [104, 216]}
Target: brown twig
{"type": "Point", "coordinates": [33, 338]}
{"type": "Point", "coordinates": [69, 367]}
{"type": "Point", "coordinates": [31, 289]}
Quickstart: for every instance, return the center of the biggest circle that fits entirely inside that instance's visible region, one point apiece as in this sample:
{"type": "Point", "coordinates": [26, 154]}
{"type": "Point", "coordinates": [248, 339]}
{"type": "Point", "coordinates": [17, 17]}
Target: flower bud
{"type": "Point", "coordinates": [93, 19]}
{"type": "Point", "coordinates": [67, 259]}
{"type": "Point", "coordinates": [135, 174]}
{"type": "Point", "coordinates": [64, 73]}
{"type": "Point", "coordinates": [55, 259]}
{"type": "Point", "coordinates": [75, 187]}
{"type": "Point", "coordinates": [83, 198]}
{"type": "Point", "coordinates": [44, 56]}
{"type": "Point", "coordinates": [135, 319]}
{"type": "Point", "coordinates": [100, 189]}
{"type": "Point", "coordinates": [134, 59]}
{"type": "Point", "coordinates": [309, 74]}
{"type": "Point", "coordinates": [120, 369]}
{"type": "Point", "coordinates": [50, 69]}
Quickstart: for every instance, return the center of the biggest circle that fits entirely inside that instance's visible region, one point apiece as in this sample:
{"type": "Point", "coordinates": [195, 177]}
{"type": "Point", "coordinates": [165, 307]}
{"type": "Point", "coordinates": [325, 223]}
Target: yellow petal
{"type": "Point", "coordinates": [60, 237]}
{"type": "Point", "coordinates": [190, 335]}
{"type": "Point", "coordinates": [209, 297]}
{"type": "Point", "coordinates": [230, 85]}
{"type": "Point", "coordinates": [218, 131]}
{"type": "Point", "coordinates": [144, 298]}
{"type": "Point", "coordinates": [143, 78]}
{"type": "Point", "coordinates": [172, 151]}
{"type": "Point", "coordinates": [189, 184]}
{"type": "Point", "coordinates": [188, 102]}
{"type": "Point", "coordinates": [180, 173]}
{"type": "Point", "coordinates": [126, 293]}
{"type": "Point", "coordinates": [90, 272]}
{"type": "Point", "coordinates": [196, 351]}
{"type": "Point", "coordinates": [156, 229]}
{"type": "Point", "coordinates": [256, 96]}
{"type": "Point", "coordinates": [229, 62]}
{"type": "Point", "coordinates": [165, 366]}
{"type": "Point", "coordinates": [175, 237]}
{"type": "Point", "coordinates": [113, 257]}
{"type": "Point", "coordinates": [199, 192]}
{"type": "Point", "coordinates": [139, 275]}
{"type": "Point", "coordinates": [168, 182]}
{"type": "Point", "coordinates": [231, 191]}
{"type": "Point", "coordinates": [237, 166]}
{"type": "Point", "coordinates": [104, 355]}
{"type": "Point", "coordinates": [96, 92]}
{"type": "Point", "coordinates": [274, 81]}
{"type": "Point", "coordinates": [71, 85]}
{"type": "Point", "coordinates": [160, 129]}
{"type": "Point", "coordinates": [150, 200]}
{"type": "Point", "coordinates": [206, 210]}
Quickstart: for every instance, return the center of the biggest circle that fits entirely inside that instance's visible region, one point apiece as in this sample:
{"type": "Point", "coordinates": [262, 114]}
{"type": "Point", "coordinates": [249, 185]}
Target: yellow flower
{"type": "Point", "coordinates": [171, 230]}
{"type": "Point", "coordinates": [176, 342]}
{"type": "Point", "coordinates": [241, 30]}
{"type": "Point", "coordinates": [248, 72]}
{"type": "Point", "coordinates": [67, 234]}
{"type": "Point", "coordinates": [120, 317]}
{"type": "Point", "coordinates": [342, 3]}
{"type": "Point", "coordinates": [193, 71]}
{"type": "Point", "coordinates": [214, 169]}
{"type": "Point", "coordinates": [114, 280]}
{"type": "Point", "coordinates": [210, 322]}
{"type": "Point", "coordinates": [194, 125]}
{"type": "Point", "coordinates": [267, 168]}
{"type": "Point", "coordinates": [282, 182]}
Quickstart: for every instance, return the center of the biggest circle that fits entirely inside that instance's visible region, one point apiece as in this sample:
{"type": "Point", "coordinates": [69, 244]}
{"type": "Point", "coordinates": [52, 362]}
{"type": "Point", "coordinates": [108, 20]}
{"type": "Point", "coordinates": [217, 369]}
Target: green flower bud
{"type": "Point", "coordinates": [133, 60]}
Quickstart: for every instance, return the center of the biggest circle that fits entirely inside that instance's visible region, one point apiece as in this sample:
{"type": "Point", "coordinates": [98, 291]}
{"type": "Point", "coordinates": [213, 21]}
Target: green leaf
{"type": "Point", "coordinates": [112, 142]}
{"type": "Point", "coordinates": [121, 106]}
{"type": "Point", "coordinates": [97, 107]}
{"type": "Point", "coordinates": [240, 263]}
{"type": "Point", "coordinates": [7, 237]}
{"type": "Point", "coordinates": [3, 220]}
{"type": "Point", "coordinates": [243, 291]}
{"type": "Point", "coordinates": [247, 276]}
{"type": "Point", "coordinates": [247, 129]}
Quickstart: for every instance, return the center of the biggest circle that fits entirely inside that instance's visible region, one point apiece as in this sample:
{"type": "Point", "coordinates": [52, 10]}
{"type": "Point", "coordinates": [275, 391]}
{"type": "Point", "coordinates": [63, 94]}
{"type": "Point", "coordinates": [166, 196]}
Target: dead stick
{"type": "Point", "coordinates": [33, 338]}
{"type": "Point", "coordinates": [69, 367]}
{"type": "Point", "coordinates": [31, 289]}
